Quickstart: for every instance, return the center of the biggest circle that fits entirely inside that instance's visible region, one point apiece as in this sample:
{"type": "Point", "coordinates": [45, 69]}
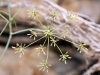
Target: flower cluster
{"type": "Point", "coordinates": [19, 49]}
{"type": "Point", "coordinates": [44, 66]}
{"type": "Point", "coordinates": [41, 49]}
{"type": "Point", "coordinates": [33, 33]}
{"type": "Point", "coordinates": [72, 16]}
{"type": "Point", "coordinates": [53, 41]}
{"type": "Point", "coordinates": [54, 14]}
{"type": "Point", "coordinates": [50, 37]}
{"type": "Point", "coordinates": [81, 46]}
{"type": "Point", "coordinates": [33, 12]}
{"type": "Point", "coordinates": [63, 57]}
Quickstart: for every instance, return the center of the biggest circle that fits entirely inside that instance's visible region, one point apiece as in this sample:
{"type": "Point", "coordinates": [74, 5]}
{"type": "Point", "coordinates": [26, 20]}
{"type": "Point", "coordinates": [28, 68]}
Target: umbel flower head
{"type": "Point", "coordinates": [54, 14]}
{"type": "Point", "coordinates": [44, 66]}
{"type": "Point", "coordinates": [33, 12]}
{"type": "Point", "coordinates": [72, 16]}
{"type": "Point", "coordinates": [64, 57]}
{"type": "Point", "coordinates": [33, 33]}
{"type": "Point", "coordinates": [47, 31]}
{"type": "Point", "coordinates": [53, 41]}
{"type": "Point", "coordinates": [41, 49]}
{"type": "Point", "coordinates": [81, 46]}
{"type": "Point", "coordinates": [19, 49]}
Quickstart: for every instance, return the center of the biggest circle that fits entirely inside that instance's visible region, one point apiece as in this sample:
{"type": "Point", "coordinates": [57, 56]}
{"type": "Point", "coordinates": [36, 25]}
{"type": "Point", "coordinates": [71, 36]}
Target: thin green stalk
{"type": "Point", "coordinates": [4, 18]}
{"type": "Point", "coordinates": [15, 24]}
{"type": "Point", "coordinates": [39, 21]}
{"type": "Point", "coordinates": [10, 30]}
{"type": "Point", "coordinates": [47, 51]}
{"type": "Point", "coordinates": [12, 18]}
{"type": "Point", "coordinates": [14, 33]}
{"type": "Point", "coordinates": [4, 12]}
{"type": "Point", "coordinates": [65, 39]}
{"type": "Point", "coordinates": [10, 24]}
{"type": "Point", "coordinates": [59, 27]}
{"type": "Point", "coordinates": [16, 13]}
{"type": "Point", "coordinates": [2, 21]}
{"type": "Point", "coordinates": [35, 41]}
{"type": "Point", "coordinates": [44, 41]}
{"type": "Point", "coordinates": [9, 9]}
{"type": "Point", "coordinates": [3, 29]}
{"type": "Point", "coordinates": [6, 47]}
{"type": "Point", "coordinates": [57, 47]}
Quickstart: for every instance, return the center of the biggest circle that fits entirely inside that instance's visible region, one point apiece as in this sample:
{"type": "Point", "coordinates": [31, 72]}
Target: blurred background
{"type": "Point", "coordinates": [12, 64]}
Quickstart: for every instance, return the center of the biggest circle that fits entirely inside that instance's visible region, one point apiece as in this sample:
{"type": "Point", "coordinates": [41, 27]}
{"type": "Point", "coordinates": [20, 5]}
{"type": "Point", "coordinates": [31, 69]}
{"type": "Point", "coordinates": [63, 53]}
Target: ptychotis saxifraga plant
{"type": "Point", "coordinates": [50, 37]}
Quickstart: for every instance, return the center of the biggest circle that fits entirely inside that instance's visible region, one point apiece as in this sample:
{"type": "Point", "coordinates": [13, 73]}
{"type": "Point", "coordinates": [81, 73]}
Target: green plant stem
{"type": "Point", "coordinates": [4, 18]}
{"type": "Point", "coordinates": [2, 21]}
{"type": "Point", "coordinates": [16, 13]}
{"type": "Point", "coordinates": [45, 41]}
{"type": "Point", "coordinates": [65, 40]}
{"type": "Point", "coordinates": [14, 33]}
{"type": "Point", "coordinates": [6, 47]}
{"type": "Point", "coordinates": [10, 30]}
{"type": "Point", "coordinates": [4, 12]}
{"type": "Point", "coordinates": [35, 41]}
{"type": "Point", "coordinates": [10, 24]}
{"type": "Point", "coordinates": [39, 21]}
{"type": "Point", "coordinates": [57, 47]}
{"type": "Point", "coordinates": [47, 51]}
{"type": "Point", "coordinates": [59, 27]}
{"type": "Point", "coordinates": [3, 29]}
